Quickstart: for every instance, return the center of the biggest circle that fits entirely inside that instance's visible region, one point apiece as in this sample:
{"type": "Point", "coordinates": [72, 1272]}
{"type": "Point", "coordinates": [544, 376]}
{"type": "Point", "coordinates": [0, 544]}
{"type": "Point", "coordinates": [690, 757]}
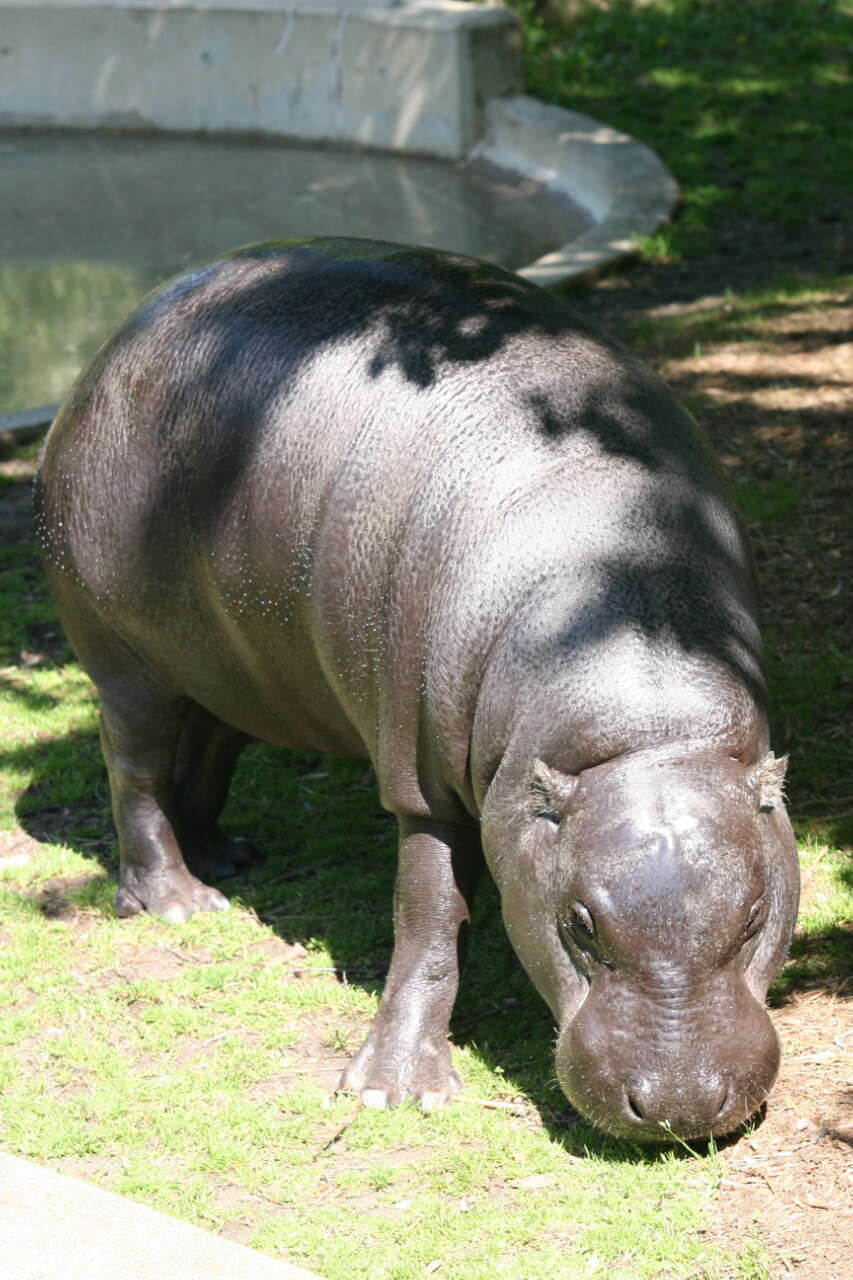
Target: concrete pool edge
{"type": "Point", "coordinates": [620, 182]}
{"type": "Point", "coordinates": [22, 425]}
{"type": "Point", "coordinates": [411, 77]}
{"type": "Point", "coordinates": [436, 78]}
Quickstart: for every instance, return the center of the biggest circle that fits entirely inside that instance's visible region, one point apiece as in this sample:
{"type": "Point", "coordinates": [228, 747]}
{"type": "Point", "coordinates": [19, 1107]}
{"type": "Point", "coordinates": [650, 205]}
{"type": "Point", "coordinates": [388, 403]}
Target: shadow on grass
{"type": "Point", "coordinates": [780, 419]}
{"type": "Point", "coordinates": [822, 960]}
{"type": "Point", "coordinates": [327, 876]}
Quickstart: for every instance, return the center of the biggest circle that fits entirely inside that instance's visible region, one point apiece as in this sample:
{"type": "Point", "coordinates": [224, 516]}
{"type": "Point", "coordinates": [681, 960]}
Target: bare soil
{"type": "Point", "coordinates": [790, 1183]}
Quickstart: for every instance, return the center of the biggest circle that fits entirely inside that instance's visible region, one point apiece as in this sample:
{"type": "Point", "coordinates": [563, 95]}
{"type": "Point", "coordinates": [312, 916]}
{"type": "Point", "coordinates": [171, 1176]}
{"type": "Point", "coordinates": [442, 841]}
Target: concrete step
{"type": "Point", "coordinates": [57, 1228]}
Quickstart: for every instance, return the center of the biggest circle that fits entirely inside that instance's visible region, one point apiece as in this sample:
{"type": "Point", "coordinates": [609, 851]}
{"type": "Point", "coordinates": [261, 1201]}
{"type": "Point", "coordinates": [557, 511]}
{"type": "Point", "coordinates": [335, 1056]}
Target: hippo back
{"type": "Point", "coordinates": [338, 492]}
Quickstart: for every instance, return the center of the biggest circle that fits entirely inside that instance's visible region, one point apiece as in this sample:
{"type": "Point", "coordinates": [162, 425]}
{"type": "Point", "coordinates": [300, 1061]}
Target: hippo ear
{"type": "Point", "coordinates": [770, 776]}
{"type": "Point", "coordinates": [550, 791]}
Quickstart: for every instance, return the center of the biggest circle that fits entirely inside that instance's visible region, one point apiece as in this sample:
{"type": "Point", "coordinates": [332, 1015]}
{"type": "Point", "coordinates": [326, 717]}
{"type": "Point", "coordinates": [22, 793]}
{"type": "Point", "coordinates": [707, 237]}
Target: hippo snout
{"type": "Point", "coordinates": [690, 1061]}
{"type": "Point", "coordinates": [709, 1105]}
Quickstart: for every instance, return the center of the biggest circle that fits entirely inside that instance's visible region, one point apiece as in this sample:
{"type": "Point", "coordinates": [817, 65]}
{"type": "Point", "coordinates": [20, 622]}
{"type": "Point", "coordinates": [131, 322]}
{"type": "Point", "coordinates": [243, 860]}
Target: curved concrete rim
{"type": "Point", "coordinates": [620, 182]}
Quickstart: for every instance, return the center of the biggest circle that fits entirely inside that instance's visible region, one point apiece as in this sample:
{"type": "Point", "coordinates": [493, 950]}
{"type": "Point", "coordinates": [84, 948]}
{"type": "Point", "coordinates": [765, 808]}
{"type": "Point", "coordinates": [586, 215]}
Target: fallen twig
{"type": "Point", "coordinates": [234, 1031]}
{"type": "Point", "coordinates": [338, 1133]}
{"type": "Point", "coordinates": [495, 1104]}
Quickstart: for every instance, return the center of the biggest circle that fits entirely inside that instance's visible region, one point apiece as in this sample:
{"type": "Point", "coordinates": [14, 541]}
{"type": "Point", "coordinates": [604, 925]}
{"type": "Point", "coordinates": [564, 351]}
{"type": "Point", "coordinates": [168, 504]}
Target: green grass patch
{"type": "Point", "coordinates": [798, 516]}
{"type": "Point", "coordinates": [770, 499]}
{"type": "Point", "coordinates": [749, 103]}
{"type": "Point", "coordinates": [185, 1090]}
{"type": "Point", "coordinates": [822, 951]}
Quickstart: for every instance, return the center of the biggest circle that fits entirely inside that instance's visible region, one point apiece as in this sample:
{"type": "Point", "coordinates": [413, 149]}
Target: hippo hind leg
{"type": "Point", "coordinates": [207, 756]}
{"type": "Point", "coordinates": [141, 730]}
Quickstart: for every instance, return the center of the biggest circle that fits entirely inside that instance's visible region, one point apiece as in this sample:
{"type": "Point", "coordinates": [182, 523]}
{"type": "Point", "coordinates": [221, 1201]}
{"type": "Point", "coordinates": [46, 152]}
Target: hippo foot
{"type": "Point", "coordinates": [174, 897]}
{"type": "Point", "coordinates": [212, 855]}
{"type": "Point", "coordinates": [385, 1073]}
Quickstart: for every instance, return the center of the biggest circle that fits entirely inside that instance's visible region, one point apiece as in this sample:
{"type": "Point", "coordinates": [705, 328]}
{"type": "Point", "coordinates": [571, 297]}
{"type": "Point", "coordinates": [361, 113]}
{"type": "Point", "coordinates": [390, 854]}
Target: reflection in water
{"type": "Point", "coordinates": [88, 224]}
{"type": "Point", "coordinates": [53, 317]}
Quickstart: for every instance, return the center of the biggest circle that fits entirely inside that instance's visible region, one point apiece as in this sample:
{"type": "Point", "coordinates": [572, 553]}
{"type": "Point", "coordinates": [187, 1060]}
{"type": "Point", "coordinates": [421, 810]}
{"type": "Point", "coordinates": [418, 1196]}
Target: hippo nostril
{"type": "Point", "coordinates": [633, 1108]}
{"type": "Point", "coordinates": [718, 1104]}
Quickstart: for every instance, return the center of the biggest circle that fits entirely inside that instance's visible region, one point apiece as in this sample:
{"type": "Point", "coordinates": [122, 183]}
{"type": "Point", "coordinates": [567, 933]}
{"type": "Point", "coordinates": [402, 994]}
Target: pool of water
{"type": "Point", "coordinates": [89, 223]}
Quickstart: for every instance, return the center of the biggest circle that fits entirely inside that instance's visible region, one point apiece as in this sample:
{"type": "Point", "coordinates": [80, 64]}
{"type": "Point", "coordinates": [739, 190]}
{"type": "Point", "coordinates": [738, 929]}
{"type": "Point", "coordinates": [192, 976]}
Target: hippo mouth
{"type": "Point", "coordinates": [639, 1113]}
{"type": "Point", "coordinates": [684, 1075]}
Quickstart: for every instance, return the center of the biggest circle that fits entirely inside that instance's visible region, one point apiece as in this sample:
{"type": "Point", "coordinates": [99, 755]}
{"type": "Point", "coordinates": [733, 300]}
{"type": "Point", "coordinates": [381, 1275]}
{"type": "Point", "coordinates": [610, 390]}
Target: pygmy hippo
{"type": "Point", "coordinates": [381, 501]}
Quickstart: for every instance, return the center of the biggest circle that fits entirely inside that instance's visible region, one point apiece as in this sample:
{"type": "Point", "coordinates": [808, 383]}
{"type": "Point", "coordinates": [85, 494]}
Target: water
{"type": "Point", "coordinates": [90, 223]}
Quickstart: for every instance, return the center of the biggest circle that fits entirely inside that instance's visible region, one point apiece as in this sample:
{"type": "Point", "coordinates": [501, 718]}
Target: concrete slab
{"type": "Point", "coordinates": [26, 424]}
{"type": "Point", "coordinates": [58, 1228]}
{"type": "Point", "coordinates": [412, 78]}
{"type": "Point", "coordinates": [621, 183]}
{"type": "Point", "coordinates": [277, 6]}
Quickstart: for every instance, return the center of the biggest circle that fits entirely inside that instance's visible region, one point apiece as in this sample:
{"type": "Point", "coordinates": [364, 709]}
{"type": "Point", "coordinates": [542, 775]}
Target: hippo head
{"type": "Point", "coordinates": [652, 901]}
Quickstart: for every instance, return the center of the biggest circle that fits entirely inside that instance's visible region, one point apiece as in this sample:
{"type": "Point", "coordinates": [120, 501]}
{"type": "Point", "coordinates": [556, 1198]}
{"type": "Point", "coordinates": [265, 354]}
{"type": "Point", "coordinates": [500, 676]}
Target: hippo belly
{"type": "Point", "coordinates": [387, 502]}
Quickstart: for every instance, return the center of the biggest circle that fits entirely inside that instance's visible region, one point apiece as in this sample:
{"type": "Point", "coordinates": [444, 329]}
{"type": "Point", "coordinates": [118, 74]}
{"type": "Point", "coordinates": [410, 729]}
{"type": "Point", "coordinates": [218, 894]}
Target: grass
{"type": "Point", "coordinates": [794, 495]}
{"type": "Point", "coordinates": [190, 1066]}
{"type": "Point", "coordinates": [749, 103]}
{"type": "Point", "coordinates": [821, 950]}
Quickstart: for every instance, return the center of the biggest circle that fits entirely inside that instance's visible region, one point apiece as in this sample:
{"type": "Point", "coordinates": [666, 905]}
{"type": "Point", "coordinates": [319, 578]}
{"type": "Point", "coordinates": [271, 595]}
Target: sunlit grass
{"type": "Point", "coordinates": [184, 1091]}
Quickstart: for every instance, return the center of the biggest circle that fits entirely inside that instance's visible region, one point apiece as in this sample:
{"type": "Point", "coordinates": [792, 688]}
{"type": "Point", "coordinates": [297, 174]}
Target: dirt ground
{"type": "Point", "coordinates": [779, 403]}
{"type": "Point", "coordinates": [790, 1184]}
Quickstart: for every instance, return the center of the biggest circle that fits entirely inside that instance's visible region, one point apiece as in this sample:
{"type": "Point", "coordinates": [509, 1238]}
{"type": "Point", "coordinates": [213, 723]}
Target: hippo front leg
{"type": "Point", "coordinates": [407, 1054]}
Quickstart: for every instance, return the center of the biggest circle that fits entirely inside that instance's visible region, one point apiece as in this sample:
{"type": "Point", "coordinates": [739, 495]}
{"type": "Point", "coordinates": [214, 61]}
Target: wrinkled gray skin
{"type": "Point", "coordinates": [385, 502]}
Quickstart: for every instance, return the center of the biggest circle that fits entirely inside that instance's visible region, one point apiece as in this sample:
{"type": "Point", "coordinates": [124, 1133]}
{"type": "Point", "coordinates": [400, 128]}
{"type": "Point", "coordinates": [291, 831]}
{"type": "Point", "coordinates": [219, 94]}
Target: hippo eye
{"type": "Point", "coordinates": [577, 928]}
{"type": "Point", "coordinates": [753, 920]}
{"type": "Point", "coordinates": [581, 923]}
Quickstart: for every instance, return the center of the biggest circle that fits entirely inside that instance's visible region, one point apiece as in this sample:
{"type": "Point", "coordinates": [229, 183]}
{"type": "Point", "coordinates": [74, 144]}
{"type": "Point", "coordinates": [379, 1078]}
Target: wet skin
{"type": "Point", "coordinates": [385, 502]}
